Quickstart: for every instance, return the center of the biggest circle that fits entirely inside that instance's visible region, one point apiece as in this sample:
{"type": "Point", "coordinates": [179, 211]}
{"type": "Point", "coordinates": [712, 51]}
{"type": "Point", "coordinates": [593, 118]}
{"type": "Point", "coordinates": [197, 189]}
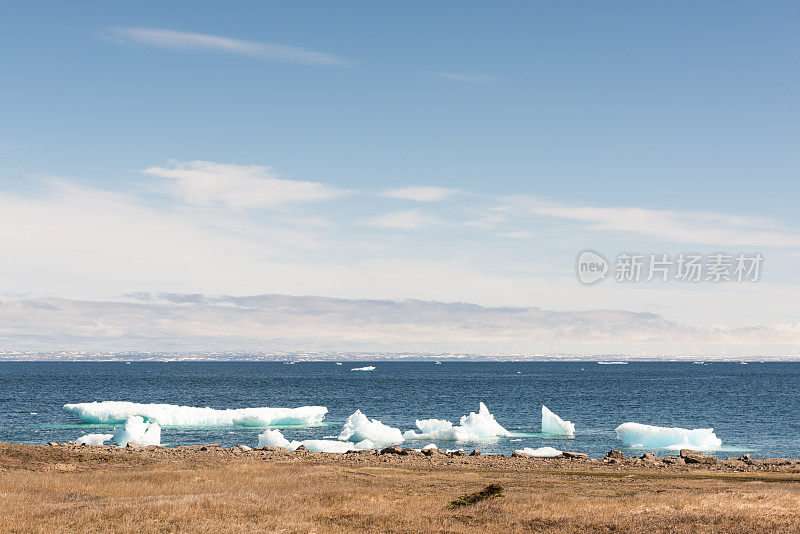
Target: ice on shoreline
{"type": "Point", "coordinates": [113, 412]}
{"type": "Point", "coordinates": [359, 427]}
{"type": "Point", "coordinates": [136, 430]}
{"type": "Point", "coordinates": [475, 426]}
{"type": "Point", "coordinates": [94, 439]}
{"type": "Point", "coordinates": [657, 437]}
{"type": "Point", "coordinates": [541, 452]}
{"type": "Point", "coordinates": [274, 438]}
{"type": "Point", "coordinates": [554, 425]}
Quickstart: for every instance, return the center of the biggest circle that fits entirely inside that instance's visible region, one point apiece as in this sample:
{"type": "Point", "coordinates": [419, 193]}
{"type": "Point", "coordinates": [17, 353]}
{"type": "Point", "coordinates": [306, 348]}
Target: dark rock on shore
{"type": "Point", "coordinates": [91, 454]}
{"type": "Point", "coordinates": [615, 454]}
{"type": "Point", "coordinates": [695, 457]}
{"type": "Point", "coordinates": [575, 455]}
{"type": "Point", "coordinates": [394, 449]}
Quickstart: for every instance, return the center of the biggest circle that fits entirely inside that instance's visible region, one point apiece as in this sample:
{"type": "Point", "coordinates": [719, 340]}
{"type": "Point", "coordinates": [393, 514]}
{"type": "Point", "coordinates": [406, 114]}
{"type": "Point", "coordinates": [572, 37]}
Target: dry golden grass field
{"type": "Point", "coordinates": [98, 490]}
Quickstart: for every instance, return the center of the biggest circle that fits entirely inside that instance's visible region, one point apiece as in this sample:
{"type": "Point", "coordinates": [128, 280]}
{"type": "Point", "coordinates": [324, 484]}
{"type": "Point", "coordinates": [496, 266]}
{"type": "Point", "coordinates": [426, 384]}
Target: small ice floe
{"type": "Point", "coordinates": [94, 439]}
{"type": "Point", "coordinates": [612, 363]}
{"type": "Point", "coordinates": [474, 426]}
{"type": "Point", "coordinates": [274, 438]}
{"type": "Point", "coordinates": [338, 363]}
{"type": "Point", "coordinates": [429, 446]}
{"type": "Point", "coordinates": [657, 437]}
{"type": "Point", "coordinates": [358, 433]}
{"type": "Point", "coordinates": [554, 425]}
{"type": "Point", "coordinates": [33, 413]}
{"type": "Point", "coordinates": [367, 368]}
{"type": "Point", "coordinates": [541, 452]}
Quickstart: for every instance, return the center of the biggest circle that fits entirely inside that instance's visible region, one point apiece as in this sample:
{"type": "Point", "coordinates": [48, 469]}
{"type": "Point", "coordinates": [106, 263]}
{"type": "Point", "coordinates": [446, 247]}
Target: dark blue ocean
{"type": "Point", "coordinates": [753, 408]}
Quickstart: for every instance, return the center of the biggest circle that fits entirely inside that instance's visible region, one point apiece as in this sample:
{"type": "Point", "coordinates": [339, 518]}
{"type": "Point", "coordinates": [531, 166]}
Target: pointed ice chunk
{"type": "Point", "coordinates": [553, 424]}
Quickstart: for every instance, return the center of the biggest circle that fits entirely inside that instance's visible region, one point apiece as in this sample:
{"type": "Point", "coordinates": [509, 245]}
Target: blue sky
{"type": "Point", "coordinates": [439, 151]}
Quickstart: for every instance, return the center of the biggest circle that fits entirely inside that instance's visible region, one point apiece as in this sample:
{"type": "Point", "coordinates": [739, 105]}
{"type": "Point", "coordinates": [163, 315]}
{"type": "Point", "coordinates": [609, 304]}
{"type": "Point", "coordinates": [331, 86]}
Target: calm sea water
{"type": "Point", "coordinates": [753, 407]}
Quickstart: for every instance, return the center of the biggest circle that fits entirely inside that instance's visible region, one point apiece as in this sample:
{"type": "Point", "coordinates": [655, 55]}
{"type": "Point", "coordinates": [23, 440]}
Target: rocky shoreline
{"type": "Point", "coordinates": [685, 460]}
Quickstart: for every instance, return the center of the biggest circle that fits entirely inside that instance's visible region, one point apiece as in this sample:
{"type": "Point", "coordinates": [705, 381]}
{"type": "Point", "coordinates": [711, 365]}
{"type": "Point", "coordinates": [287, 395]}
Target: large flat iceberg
{"type": "Point", "coordinates": [114, 412]}
{"type": "Point", "coordinates": [475, 426]}
{"type": "Point", "coordinates": [359, 427]}
{"type": "Point", "coordinates": [657, 437]}
{"type": "Point", "coordinates": [553, 424]}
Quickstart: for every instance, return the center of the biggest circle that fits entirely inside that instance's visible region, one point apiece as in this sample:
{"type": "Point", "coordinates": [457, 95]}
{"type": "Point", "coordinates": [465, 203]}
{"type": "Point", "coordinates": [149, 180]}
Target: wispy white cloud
{"type": "Point", "coordinates": [206, 183]}
{"type": "Point", "coordinates": [420, 193]}
{"type": "Point", "coordinates": [461, 77]}
{"type": "Point", "coordinates": [199, 41]}
{"type": "Point", "coordinates": [404, 220]}
{"type": "Point", "coordinates": [689, 227]}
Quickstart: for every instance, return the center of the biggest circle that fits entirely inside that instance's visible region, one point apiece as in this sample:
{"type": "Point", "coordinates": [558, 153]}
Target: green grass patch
{"type": "Point", "coordinates": [490, 491]}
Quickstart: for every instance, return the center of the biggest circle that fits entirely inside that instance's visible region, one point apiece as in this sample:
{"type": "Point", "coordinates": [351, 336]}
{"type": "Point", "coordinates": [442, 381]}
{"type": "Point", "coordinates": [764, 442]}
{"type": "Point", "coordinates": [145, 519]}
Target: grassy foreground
{"type": "Point", "coordinates": [45, 490]}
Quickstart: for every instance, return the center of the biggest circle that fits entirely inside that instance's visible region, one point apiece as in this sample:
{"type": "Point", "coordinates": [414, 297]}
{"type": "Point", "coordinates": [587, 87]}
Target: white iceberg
{"type": "Point", "coordinates": [358, 428]}
{"type": "Point", "coordinates": [657, 437]}
{"type": "Point", "coordinates": [136, 430]}
{"type": "Point", "coordinates": [274, 438]}
{"type": "Point", "coordinates": [367, 368]}
{"type": "Point", "coordinates": [541, 452]}
{"type": "Point", "coordinates": [94, 439]}
{"type": "Point", "coordinates": [111, 412]}
{"type": "Point", "coordinates": [326, 445]}
{"type": "Point", "coordinates": [429, 446]}
{"type": "Point", "coordinates": [475, 426]}
{"type": "Point", "coordinates": [553, 424]}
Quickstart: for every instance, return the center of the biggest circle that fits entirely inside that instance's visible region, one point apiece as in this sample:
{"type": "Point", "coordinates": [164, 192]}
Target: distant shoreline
{"type": "Point", "coordinates": [388, 359]}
